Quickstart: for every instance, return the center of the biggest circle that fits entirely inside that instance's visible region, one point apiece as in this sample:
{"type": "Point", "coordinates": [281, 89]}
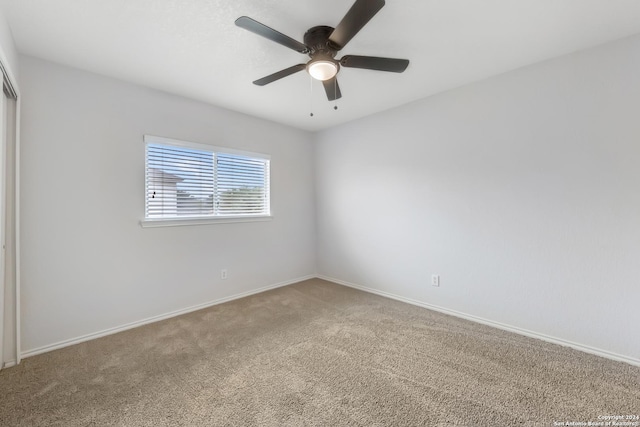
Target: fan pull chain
{"type": "Point", "coordinates": [311, 96]}
{"type": "Point", "coordinates": [335, 92]}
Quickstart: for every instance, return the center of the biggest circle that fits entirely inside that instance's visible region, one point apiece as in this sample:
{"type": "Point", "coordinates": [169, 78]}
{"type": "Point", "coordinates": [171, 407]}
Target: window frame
{"type": "Point", "coordinates": [204, 219]}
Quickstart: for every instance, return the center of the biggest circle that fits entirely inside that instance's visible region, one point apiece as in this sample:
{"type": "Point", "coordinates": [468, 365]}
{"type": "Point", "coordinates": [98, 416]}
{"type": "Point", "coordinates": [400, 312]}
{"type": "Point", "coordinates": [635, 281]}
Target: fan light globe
{"type": "Point", "coordinates": [322, 69]}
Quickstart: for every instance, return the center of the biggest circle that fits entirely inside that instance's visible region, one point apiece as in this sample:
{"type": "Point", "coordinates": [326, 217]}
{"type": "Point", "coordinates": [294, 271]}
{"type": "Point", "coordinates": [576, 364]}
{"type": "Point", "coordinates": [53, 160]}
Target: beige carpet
{"type": "Point", "coordinates": [315, 354]}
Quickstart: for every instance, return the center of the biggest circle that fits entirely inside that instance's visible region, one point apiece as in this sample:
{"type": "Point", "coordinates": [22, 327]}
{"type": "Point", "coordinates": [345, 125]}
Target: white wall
{"type": "Point", "coordinates": [87, 265]}
{"type": "Point", "coordinates": [521, 191]}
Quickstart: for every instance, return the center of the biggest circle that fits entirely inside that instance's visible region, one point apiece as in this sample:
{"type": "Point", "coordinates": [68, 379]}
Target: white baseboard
{"type": "Point", "coordinates": [509, 328]}
{"type": "Point", "coordinates": [514, 329]}
{"type": "Point", "coordinates": [110, 331]}
{"type": "Point", "coordinates": [9, 364]}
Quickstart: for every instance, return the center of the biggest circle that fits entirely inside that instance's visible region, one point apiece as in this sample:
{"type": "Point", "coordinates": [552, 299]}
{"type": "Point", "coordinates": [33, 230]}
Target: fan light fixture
{"type": "Point", "coordinates": [322, 69]}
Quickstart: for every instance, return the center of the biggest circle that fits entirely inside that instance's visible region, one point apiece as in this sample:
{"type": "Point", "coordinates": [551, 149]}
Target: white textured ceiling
{"type": "Point", "coordinates": [192, 48]}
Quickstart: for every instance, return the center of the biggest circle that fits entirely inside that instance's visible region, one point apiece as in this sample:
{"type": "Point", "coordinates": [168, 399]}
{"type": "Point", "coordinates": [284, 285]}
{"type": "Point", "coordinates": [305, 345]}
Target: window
{"type": "Point", "coordinates": [187, 181]}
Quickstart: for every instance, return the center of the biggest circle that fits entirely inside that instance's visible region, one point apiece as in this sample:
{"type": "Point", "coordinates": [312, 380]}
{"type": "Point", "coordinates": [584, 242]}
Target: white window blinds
{"type": "Point", "coordinates": [188, 180]}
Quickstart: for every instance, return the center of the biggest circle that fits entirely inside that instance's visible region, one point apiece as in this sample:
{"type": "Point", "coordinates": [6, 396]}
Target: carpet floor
{"type": "Point", "coordinates": [316, 354]}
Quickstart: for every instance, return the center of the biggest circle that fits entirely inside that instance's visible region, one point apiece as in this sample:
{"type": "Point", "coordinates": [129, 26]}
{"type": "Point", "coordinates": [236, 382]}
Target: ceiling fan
{"type": "Point", "coordinates": [322, 43]}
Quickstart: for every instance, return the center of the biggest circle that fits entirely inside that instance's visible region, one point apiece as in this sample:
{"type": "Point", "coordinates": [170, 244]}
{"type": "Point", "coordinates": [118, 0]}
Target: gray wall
{"type": "Point", "coordinates": [522, 192]}
{"type": "Point", "coordinates": [87, 265]}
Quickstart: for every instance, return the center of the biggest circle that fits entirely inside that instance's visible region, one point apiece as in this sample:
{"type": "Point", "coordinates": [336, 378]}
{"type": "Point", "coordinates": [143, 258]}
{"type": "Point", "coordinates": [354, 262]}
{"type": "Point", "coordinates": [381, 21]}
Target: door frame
{"type": "Point", "coordinates": [12, 91]}
{"type": "Point", "coordinates": [3, 206]}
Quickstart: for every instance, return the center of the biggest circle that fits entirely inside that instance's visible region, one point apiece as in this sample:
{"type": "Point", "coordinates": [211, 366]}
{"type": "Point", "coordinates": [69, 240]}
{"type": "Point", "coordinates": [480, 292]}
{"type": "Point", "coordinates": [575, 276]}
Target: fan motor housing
{"type": "Point", "coordinates": [317, 40]}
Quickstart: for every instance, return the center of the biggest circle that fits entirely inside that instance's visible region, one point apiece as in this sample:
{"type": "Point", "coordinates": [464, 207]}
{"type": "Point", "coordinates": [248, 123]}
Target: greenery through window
{"type": "Point", "coordinates": [193, 180]}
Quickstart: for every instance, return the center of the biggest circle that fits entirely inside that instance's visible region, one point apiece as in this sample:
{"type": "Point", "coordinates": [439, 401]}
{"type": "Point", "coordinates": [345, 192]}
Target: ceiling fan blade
{"type": "Point", "coordinates": [360, 13]}
{"type": "Point", "coordinates": [375, 63]}
{"type": "Point", "coordinates": [332, 89]}
{"type": "Point", "coordinates": [280, 74]}
{"type": "Point", "coordinates": [271, 34]}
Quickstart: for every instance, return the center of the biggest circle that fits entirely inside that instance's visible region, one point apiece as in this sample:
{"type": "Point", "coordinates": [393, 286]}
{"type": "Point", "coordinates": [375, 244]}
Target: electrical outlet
{"type": "Point", "coordinates": [435, 280]}
{"type": "Point", "coordinates": [223, 273]}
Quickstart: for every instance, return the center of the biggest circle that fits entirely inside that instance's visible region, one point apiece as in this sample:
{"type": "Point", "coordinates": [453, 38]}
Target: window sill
{"type": "Point", "coordinates": [179, 222]}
